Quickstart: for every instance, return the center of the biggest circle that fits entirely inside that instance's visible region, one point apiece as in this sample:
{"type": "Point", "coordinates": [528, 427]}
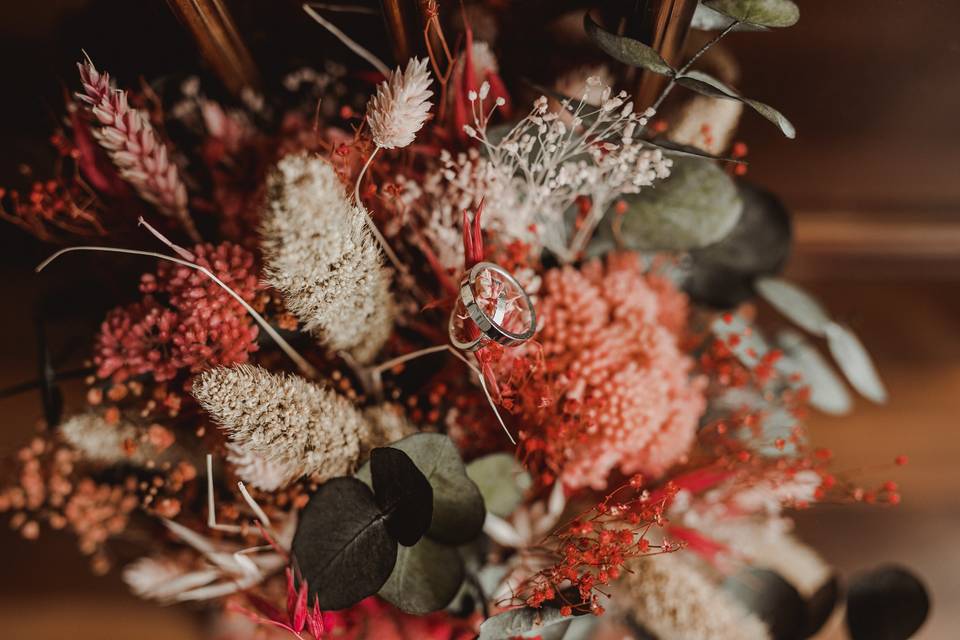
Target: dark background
{"type": "Point", "coordinates": [873, 87]}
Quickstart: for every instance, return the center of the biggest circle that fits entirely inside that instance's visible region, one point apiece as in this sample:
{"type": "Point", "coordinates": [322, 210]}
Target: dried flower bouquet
{"type": "Point", "coordinates": [437, 370]}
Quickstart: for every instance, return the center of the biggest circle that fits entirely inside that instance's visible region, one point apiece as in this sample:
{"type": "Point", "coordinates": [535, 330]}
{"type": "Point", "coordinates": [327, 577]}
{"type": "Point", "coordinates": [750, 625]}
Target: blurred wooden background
{"type": "Point", "coordinates": [874, 89]}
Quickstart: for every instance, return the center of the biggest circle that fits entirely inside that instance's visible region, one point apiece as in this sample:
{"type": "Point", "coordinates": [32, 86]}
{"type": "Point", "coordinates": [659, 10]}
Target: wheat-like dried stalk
{"type": "Point", "coordinates": [134, 147]}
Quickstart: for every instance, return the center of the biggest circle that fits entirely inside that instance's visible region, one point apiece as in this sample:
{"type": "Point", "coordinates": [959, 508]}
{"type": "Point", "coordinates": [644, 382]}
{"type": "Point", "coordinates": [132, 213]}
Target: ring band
{"type": "Point", "coordinates": [490, 328]}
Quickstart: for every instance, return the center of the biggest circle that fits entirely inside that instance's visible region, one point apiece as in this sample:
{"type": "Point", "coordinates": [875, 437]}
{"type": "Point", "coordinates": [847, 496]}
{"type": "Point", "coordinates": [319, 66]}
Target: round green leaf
{"type": "Point", "coordinates": [722, 274]}
{"type": "Point", "coordinates": [425, 579]}
{"type": "Point", "coordinates": [342, 547]}
{"type": "Point", "coordinates": [765, 13]}
{"type": "Point", "coordinates": [626, 50]}
{"type": "Point", "coordinates": [888, 603]}
{"type": "Point", "coordinates": [767, 595]}
{"type": "Point", "coordinates": [403, 494]}
{"type": "Point", "coordinates": [501, 482]}
{"type": "Point", "coordinates": [696, 206]}
{"type": "Point", "coordinates": [458, 509]}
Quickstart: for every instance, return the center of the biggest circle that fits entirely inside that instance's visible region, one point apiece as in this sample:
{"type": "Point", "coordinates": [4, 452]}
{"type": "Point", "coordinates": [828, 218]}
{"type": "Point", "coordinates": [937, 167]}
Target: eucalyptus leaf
{"type": "Point", "coordinates": [771, 598]}
{"type": "Point", "coordinates": [722, 274]}
{"type": "Point", "coordinates": [707, 85]}
{"type": "Point", "coordinates": [501, 480]}
{"type": "Point", "coordinates": [458, 509]}
{"type": "Point", "coordinates": [519, 621]}
{"type": "Point", "coordinates": [765, 13]}
{"type": "Point", "coordinates": [707, 19]}
{"type": "Point", "coordinates": [852, 358]}
{"type": "Point", "coordinates": [888, 603]}
{"type": "Point", "coordinates": [627, 50]}
{"type": "Point", "coordinates": [403, 494]}
{"type": "Point", "coordinates": [820, 606]}
{"type": "Point", "coordinates": [696, 206]}
{"type": "Point", "coordinates": [672, 148]}
{"type": "Point", "coordinates": [342, 547]}
{"type": "Point", "coordinates": [426, 578]}
{"type": "Point", "coordinates": [795, 304]}
{"type": "Point", "coordinates": [827, 391]}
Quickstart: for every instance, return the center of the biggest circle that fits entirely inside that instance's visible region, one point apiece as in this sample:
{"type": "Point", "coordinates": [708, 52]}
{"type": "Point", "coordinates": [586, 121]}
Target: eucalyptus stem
{"type": "Point", "coordinates": [686, 67]}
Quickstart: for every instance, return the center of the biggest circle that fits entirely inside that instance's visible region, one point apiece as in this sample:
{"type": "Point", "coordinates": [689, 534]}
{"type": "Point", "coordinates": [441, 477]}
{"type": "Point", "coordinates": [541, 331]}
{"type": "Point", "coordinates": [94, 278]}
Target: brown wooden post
{"type": "Point", "coordinates": [405, 21]}
{"type": "Point", "coordinates": [219, 41]}
{"type": "Point", "coordinates": [662, 24]}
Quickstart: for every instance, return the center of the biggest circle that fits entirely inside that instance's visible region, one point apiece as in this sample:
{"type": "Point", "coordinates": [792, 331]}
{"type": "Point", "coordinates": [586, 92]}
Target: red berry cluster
{"type": "Point", "coordinates": [593, 548]}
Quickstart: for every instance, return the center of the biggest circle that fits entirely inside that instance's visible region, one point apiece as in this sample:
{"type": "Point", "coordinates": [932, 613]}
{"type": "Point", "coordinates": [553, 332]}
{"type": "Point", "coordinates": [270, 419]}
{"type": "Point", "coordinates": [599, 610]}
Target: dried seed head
{"type": "Point", "coordinates": [320, 255]}
{"type": "Point", "coordinates": [673, 599]}
{"type": "Point", "coordinates": [281, 427]}
{"type": "Point", "coordinates": [400, 106]}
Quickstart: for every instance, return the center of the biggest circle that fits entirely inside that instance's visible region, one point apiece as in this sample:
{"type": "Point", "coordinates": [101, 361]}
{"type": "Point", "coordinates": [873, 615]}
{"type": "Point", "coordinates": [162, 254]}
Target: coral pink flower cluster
{"type": "Point", "coordinates": [185, 321]}
{"type": "Point", "coordinates": [612, 389]}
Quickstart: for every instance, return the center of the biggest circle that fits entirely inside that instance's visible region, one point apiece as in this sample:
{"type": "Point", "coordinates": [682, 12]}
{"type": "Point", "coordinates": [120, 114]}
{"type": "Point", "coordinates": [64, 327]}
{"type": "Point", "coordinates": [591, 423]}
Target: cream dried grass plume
{"type": "Point", "coordinates": [101, 442]}
{"type": "Point", "coordinates": [400, 107]}
{"type": "Point", "coordinates": [293, 427]}
{"type": "Point", "coordinates": [321, 257]}
{"type": "Point", "coordinates": [130, 140]}
{"type": "Point", "coordinates": [671, 598]}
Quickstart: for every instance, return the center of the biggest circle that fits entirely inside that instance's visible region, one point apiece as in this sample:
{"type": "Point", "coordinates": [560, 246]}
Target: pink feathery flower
{"type": "Point", "coordinates": [613, 389]}
{"type": "Point", "coordinates": [134, 147]}
{"type": "Point", "coordinates": [400, 106]}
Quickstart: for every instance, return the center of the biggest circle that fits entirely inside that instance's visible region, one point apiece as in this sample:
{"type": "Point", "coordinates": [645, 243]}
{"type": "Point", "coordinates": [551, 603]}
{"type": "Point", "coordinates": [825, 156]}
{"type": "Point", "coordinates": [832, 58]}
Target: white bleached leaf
{"type": "Point", "coordinates": [827, 391]}
{"type": "Point", "coordinates": [852, 358]}
{"type": "Point", "coordinates": [750, 347]}
{"type": "Point", "coordinates": [796, 304]}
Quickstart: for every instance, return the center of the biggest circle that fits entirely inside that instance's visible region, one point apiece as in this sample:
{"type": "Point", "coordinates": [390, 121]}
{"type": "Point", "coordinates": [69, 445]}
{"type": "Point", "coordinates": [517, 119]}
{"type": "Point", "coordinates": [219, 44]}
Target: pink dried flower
{"type": "Point", "coordinates": [132, 143]}
{"type": "Point", "coordinates": [613, 389]}
{"type": "Point", "coordinates": [400, 106]}
{"type": "Point", "coordinates": [185, 321]}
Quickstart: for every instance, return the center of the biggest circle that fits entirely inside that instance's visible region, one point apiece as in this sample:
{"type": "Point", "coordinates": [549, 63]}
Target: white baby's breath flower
{"type": "Point", "coordinates": [400, 106]}
{"type": "Point", "coordinates": [294, 427]}
{"type": "Point", "coordinates": [320, 255]}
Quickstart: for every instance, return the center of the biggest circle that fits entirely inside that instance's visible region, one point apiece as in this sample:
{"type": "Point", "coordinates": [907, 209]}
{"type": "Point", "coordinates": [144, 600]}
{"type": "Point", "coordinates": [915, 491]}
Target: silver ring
{"type": "Point", "coordinates": [490, 329]}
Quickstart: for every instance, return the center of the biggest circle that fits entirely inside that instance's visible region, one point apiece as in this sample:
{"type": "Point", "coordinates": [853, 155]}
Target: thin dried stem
{"type": "Point", "coordinates": [348, 42]}
{"type": "Point", "coordinates": [394, 260]}
{"type": "Point", "coordinates": [305, 367]}
{"type": "Point", "coordinates": [377, 370]}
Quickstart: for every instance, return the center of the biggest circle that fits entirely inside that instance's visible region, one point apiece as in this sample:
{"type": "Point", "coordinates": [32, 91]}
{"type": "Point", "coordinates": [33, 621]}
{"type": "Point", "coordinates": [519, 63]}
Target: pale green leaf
{"type": "Point", "coordinates": [765, 13]}
{"type": "Point", "coordinates": [627, 50]}
{"type": "Point", "coordinates": [696, 206]}
{"type": "Point", "coordinates": [707, 85]}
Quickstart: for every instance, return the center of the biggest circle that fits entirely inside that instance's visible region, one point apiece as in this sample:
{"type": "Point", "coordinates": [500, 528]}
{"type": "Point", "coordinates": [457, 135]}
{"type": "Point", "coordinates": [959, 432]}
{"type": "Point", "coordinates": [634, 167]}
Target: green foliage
{"type": "Point", "coordinates": [707, 85]}
{"type": "Point", "coordinates": [626, 50]}
{"type": "Point", "coordinates": [501, 482]}
{"type": "Point", "coordinates": [696, 206]}
{"type": "Point", "coordinates": [764, 13]}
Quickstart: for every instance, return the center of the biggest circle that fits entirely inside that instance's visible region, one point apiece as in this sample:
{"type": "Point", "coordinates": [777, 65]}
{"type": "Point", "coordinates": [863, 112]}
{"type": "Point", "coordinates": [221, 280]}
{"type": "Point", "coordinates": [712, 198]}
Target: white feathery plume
{"type": "Point", "coordinates": [671, 598]}
{"type": "Point", "coordinates": [163, 579]}
{"type": "Point", "coordinates": [320, 256]}
{"type": "Point", "coordinates": [100, 442]}
{"type": "Point", "coordinates": [400, 107]}
{"type": "Point", "coordinates": [292, 425]}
